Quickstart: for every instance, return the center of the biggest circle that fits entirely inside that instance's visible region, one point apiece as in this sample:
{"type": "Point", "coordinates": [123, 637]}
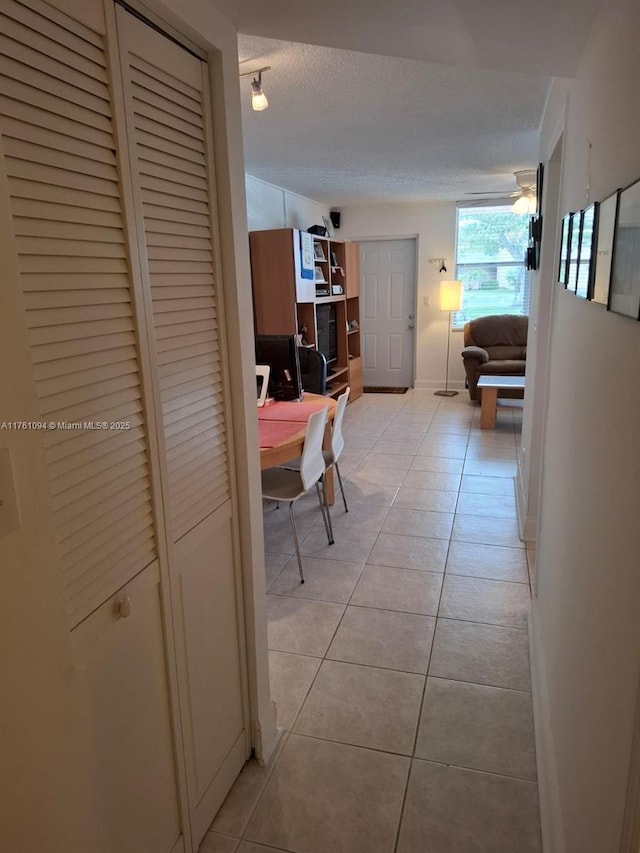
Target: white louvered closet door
{"type": "Point", "coordinates": [61, 157]}
{"type": "Point", "coordinates": [166, 101]}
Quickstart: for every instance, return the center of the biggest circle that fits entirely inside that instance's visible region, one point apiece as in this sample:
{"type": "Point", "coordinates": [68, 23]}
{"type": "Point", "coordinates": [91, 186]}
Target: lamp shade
{"type": "Point", "coordinates": [450, 295]}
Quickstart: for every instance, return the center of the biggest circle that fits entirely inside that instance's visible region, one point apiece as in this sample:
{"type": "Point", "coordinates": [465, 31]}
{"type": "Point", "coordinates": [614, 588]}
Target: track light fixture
{"type": "Point", "coordinates": [258, 98]}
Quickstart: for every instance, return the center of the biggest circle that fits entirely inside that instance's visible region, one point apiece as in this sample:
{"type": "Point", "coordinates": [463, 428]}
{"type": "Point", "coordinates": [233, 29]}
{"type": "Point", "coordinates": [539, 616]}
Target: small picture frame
{"type": "Point", "coordinates": [334, 260]}
{"type": "Point", "coordinates": [624, 290]}
{"type": "Point", "coordinates": [328, 224]}
{"type": "Point", "coordinates": [563, 259]}
{"type": "Point", "coordinates": [574, 251]}
{"type": "Point", "coordinates": [539, 185]}
{"type": "Point", "coordinates": [319, 275]}
{"type": "Point", "coordinates": [318, 252]}
{"type": "Point", "coordinates": [604, 249]}
{"type": "Point", "coordinates": [588, 225]}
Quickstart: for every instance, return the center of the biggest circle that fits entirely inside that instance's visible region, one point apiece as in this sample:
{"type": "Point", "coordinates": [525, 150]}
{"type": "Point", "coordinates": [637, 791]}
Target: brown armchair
{"type": "Point", "coordinates": [495, 346]}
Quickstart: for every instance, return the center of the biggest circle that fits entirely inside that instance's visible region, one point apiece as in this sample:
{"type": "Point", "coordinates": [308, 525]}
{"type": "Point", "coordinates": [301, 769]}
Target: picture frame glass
{"type": "Point", "coordinates": [574, 251]}
{"type": "Point", "coordinates": [624, 293]}
{"type": "Point", "coordinates": [328, 224]}
{"type": "Point", "coordinates": [604, 249]}
{"type": "Point", "coordinates": [564, 250]}
{"type": "Point", "coordinates": [585, 253]}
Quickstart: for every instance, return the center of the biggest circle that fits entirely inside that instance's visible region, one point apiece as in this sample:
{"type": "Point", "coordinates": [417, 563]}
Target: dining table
{"type": "Point", "coordinates": [282, 426]}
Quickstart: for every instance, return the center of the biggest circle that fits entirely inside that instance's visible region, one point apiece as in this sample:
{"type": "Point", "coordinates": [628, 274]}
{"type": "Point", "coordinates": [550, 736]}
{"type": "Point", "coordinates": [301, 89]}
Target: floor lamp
{"type": "Point", "coordinates": [450, 300]}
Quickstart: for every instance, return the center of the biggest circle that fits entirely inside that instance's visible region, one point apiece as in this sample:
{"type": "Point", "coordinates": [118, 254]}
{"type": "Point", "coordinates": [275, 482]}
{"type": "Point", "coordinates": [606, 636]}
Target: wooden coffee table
{"type": "Point", "coordinates": [490, 386]}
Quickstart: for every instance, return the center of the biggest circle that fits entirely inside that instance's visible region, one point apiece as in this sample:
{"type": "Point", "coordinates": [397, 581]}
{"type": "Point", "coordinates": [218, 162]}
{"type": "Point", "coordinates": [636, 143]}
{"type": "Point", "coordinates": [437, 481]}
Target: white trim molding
{"type": "Point", "coordinates": [548, 791]}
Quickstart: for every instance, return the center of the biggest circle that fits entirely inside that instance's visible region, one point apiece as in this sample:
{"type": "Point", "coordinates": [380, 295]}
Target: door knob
{"type": "Point", "coordinates": [410, 326]}
{"type": "Point", "coordinates": [123, 607]}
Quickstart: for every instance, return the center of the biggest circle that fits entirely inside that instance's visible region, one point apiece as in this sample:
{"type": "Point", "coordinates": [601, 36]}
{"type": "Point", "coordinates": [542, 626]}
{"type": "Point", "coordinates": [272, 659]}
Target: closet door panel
{"type": "Point", "coordinates": [60, 151]}
{"type": "Point", "coordinates": [124, 712]}
{"type": "Point", "coordinates": [164, 104]}
{"type": "Point", "coordinates": [56, 124]}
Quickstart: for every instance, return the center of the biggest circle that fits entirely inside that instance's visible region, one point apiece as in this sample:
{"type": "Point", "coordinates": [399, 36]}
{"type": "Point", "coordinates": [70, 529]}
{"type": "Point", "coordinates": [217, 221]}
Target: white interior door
{"type": "Point", "coordinates": [388, 299]}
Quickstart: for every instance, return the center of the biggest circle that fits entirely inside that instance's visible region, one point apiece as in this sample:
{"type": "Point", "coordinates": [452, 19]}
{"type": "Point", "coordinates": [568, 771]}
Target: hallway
{"type": "Point", "coordinates": [400, 668]}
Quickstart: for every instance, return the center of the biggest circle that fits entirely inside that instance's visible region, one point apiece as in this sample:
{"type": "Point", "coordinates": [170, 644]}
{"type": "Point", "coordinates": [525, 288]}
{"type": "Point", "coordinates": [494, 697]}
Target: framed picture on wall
{"type": "Point", "coordinates": [585, 255]}
{"type": "Point", "coordinates": [539, 184]}
{"type": "Point", "coordinates": [624, 290]}
{"type": "Point", "coordinates": [563, 260]}
{"type": "Point", "coordinates": [604, 249]}
{"type": "Point", "coordinates": [574, 251]}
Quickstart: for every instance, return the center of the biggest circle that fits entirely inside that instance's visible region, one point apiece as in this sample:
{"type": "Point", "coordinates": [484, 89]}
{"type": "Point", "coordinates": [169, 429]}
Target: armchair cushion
{"type": "Point", "coordinates": [495, 346]}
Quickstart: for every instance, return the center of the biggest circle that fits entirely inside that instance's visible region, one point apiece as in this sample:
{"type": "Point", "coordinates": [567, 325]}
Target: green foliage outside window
{"type": "Point", "coordinates": [490, 262]}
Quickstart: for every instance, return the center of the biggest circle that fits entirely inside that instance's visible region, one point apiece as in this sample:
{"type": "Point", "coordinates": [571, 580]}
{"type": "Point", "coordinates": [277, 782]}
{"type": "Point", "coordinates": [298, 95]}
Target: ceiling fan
{"type": "Point", "coordinates": [525, 195]}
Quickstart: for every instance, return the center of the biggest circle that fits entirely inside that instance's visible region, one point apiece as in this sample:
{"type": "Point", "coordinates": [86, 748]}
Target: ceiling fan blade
{"type": "Point", "coordinates": [496, 192]}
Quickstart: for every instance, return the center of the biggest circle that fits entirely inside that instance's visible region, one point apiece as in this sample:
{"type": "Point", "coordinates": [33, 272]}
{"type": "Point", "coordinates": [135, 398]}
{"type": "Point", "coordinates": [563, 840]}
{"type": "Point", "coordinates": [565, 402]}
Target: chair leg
{"type": "Point", "coordinates": [295, 541]}
{"type": "Point", "coordinates": [344, 500]}
{"type": "Point", "coordinates": [327, 524]}
{"type": "Point", "coordinates": [326, 509]}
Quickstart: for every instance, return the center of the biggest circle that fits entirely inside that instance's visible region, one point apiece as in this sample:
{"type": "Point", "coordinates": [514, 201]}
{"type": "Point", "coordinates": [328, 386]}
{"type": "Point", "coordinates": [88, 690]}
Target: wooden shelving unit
{"type": "Point", "coordinates": [285, 301]}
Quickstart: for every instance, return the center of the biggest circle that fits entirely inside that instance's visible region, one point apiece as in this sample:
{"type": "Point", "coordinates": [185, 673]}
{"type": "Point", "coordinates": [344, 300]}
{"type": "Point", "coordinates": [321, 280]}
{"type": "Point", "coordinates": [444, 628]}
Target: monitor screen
{"type": "Point", "coordinates": [280, 352]}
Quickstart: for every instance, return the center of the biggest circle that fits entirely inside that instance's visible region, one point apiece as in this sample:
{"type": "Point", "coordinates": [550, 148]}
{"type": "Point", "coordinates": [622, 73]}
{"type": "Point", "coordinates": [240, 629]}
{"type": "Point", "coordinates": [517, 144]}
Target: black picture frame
{"type": "Point", "coordinates": [603, 254]}
{"type": "Point", "coordinates": [574, 250]}
{"type": "Point", "coordinates": [624, 288]}
{"type": "Point", "coordinates": [563, 255]}
{"type": "Point", "coordinates": [539, 188]}
{"type": "Point", "coordinates": [588, 226]}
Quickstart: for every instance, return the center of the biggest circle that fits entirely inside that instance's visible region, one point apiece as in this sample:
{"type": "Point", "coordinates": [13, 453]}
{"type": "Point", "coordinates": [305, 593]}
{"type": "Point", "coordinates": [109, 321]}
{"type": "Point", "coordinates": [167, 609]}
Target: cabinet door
{"type": "Point", "coordinates": [166, 107]}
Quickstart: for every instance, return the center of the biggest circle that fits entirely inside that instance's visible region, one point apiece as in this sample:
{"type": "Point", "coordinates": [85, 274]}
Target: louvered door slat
{"type": "Point", "coordinates": [69, 55]}
{"type": "Point", "coordinates": [23, 111]}
{"type": "Point", "coordinates": [27, 227]}
{"type": "Point", "coordinates": [14, 129]}
{"type": "Point", "coordinates": [27, 55]}
{"type": "Point", "coordinates": [55, 119]}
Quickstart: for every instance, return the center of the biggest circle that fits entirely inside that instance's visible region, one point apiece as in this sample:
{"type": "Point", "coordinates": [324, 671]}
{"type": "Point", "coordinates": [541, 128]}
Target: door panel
{"type": "Point", "coordinates": [388, 285]}
{"type": "Point", "coordinates": [59, 146]}
{"type": "Point", "coordinates": [165, 95]}
{"type": "Point", "coordinates": [123, 710]}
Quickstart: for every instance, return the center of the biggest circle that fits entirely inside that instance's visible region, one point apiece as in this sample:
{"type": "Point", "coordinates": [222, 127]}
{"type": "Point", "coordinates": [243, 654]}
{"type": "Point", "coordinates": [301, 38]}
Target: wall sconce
{"type": "Point", "coordinates": [259, 100]}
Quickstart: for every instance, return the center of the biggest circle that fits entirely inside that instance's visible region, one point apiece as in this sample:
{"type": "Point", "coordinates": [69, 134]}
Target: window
{"type": "Point", "coordinates": [491, 244]}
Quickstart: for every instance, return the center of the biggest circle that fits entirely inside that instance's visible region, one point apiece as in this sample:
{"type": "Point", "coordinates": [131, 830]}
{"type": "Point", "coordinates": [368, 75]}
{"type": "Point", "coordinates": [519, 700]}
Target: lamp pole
{"type": "Point", "coordinates": [446, 392]}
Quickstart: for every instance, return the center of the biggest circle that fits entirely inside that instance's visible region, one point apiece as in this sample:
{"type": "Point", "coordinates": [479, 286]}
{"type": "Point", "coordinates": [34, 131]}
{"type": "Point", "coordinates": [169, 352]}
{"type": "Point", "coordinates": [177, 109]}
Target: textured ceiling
{"type": "Point", "coordinates": [409, 100]}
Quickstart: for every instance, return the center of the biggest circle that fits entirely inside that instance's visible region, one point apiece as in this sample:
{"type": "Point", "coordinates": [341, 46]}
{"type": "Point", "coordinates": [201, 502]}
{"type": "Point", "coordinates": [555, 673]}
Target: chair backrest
{"type": "Point", "coordinates": [313, 370]}
{"type": "Point", "coordinates": [312, 460]}
{"type": "Point", "coordinates": [337, 439]}
{"type": "Point", "coordinates": [262, 372]}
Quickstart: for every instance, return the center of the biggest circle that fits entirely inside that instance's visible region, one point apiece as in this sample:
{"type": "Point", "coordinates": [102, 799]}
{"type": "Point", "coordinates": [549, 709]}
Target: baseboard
{"type": "Point", "coordinates": [550, 817]}
{"type": "Point", "coordinates": [527, 524]}
{"type": "Point", "coordinates": [437, 385]}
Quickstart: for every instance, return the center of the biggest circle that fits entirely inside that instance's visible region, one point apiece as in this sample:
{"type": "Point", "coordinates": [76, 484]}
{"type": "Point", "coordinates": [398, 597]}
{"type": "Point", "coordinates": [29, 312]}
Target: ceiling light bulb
{"type": "Point", "coordinates": [525, 204]}
{"type": "Point", "coordinates": [258, 98]}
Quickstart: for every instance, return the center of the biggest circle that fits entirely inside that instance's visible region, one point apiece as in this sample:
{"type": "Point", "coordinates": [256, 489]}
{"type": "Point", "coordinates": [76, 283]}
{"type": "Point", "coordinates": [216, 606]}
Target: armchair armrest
{"type": "Point", "coordinates": [476, 353]}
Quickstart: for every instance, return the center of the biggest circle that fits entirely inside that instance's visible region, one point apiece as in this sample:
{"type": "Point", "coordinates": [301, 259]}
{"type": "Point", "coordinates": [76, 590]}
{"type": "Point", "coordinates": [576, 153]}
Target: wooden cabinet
{"type": "Point", "coordinates": [318, 299]}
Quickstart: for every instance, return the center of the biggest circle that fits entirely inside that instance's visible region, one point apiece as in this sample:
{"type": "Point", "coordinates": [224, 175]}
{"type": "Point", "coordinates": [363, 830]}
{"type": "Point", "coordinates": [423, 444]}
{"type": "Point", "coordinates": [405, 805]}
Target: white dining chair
{"type": "Point", "coordinates": [287, 486]}
{"type": "Point", "coordinates": [332, 455]}
{"type": "Point", "coordinates": [263, 371]}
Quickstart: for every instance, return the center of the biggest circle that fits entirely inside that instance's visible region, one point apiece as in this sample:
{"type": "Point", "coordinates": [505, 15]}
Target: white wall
{"type": "Point", "coordinates": [586, 613]}
{"type": "Point", "coordinates": [269, 206]}
{"type": "Point", "coordinates": [435, 227]}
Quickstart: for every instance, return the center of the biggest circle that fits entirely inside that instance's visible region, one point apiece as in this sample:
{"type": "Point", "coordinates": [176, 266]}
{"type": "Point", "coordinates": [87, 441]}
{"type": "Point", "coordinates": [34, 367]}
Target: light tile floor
{"type": "Point", "coordinates": [400, 668]}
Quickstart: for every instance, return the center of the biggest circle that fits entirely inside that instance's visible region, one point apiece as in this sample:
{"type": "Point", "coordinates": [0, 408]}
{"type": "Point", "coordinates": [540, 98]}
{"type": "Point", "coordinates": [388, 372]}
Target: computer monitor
{"type": "Point", "coordinates": [280, 352]}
